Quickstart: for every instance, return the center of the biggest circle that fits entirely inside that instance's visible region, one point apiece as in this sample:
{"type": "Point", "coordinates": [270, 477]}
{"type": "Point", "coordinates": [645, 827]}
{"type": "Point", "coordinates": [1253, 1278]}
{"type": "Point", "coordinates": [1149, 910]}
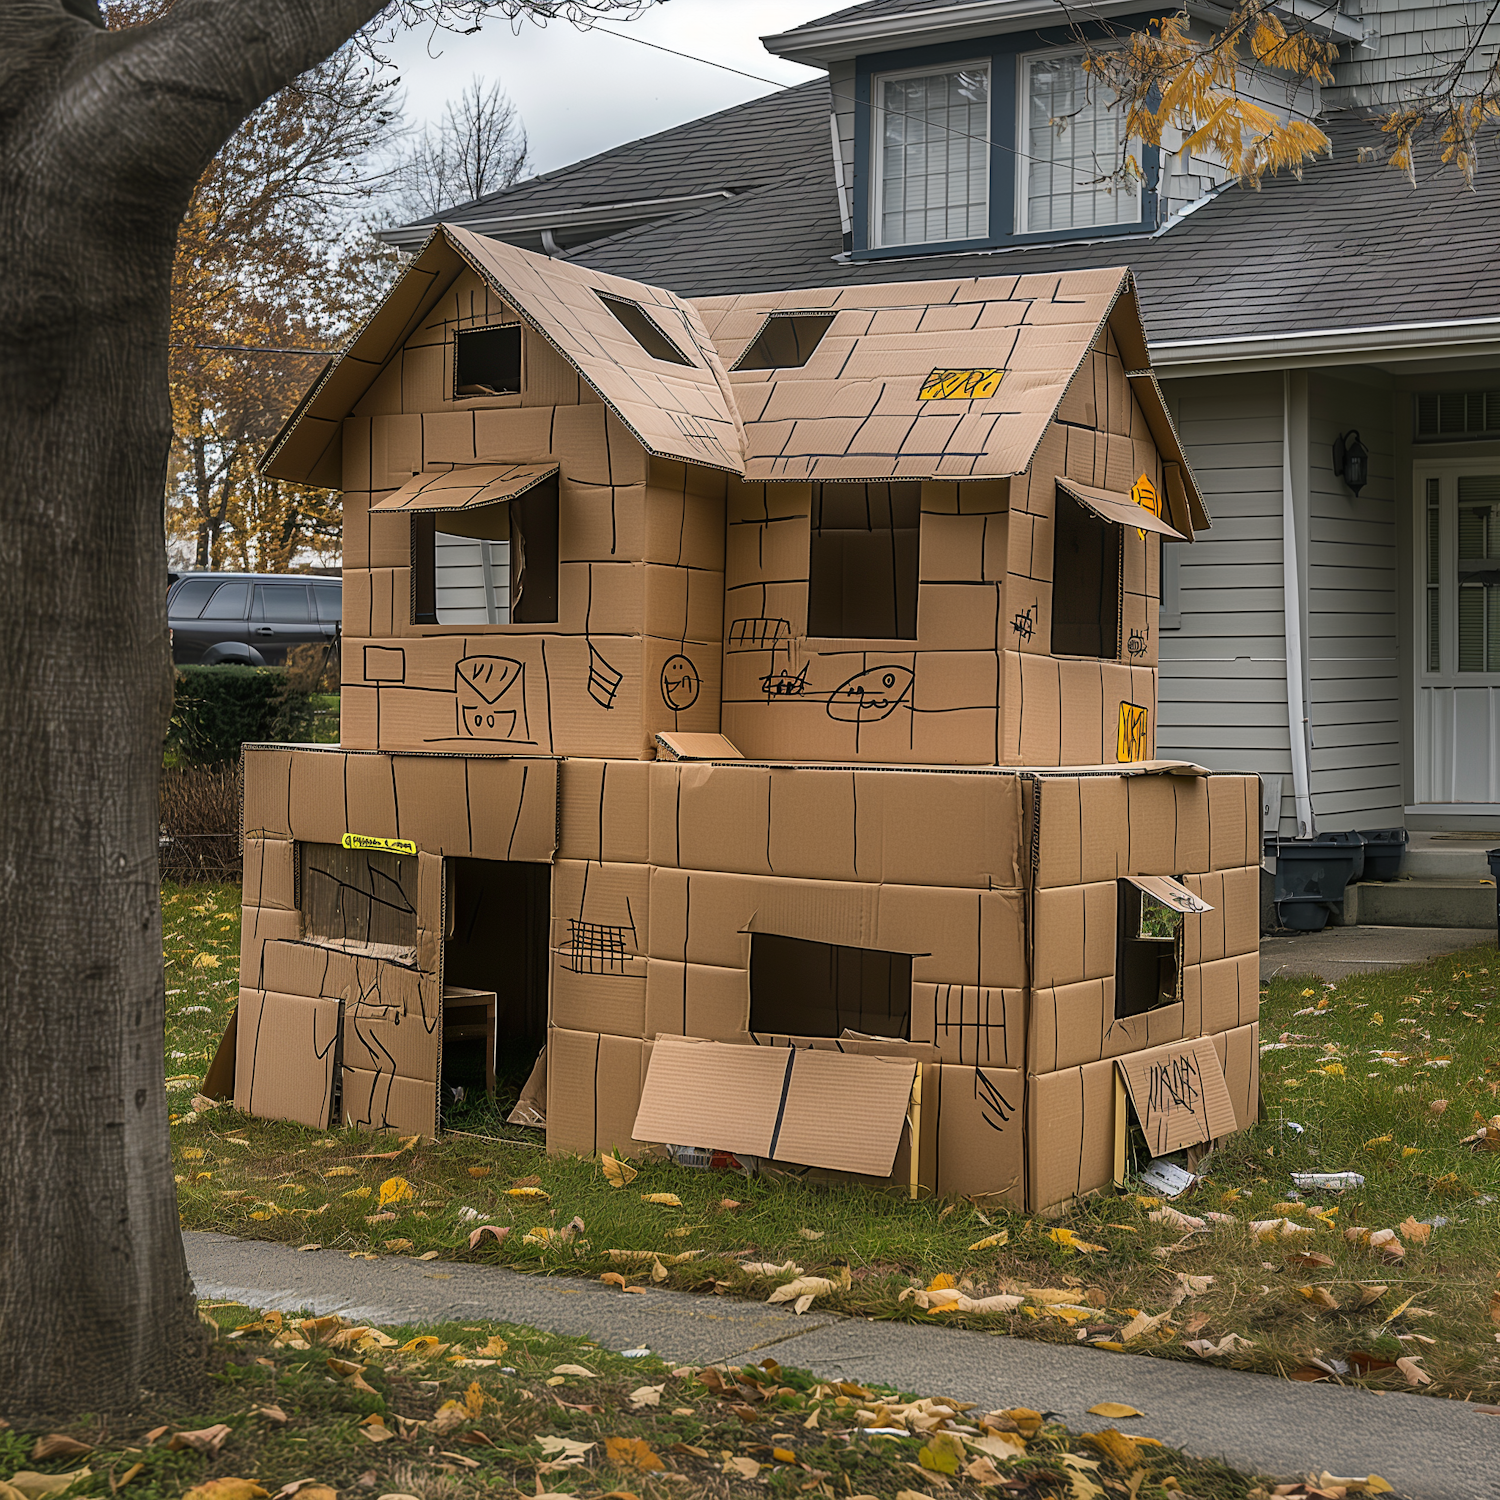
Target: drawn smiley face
{"type": "Point", "coordinates": [679, 683]}
{"type": "Point", "coordinates": [870, 695]}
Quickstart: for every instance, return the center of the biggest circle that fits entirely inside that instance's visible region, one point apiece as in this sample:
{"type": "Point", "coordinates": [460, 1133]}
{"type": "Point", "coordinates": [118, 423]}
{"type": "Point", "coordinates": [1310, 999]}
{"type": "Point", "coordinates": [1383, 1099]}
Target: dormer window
{"type": "Point", "coordinates": [639, 325]}
{"type": "Point", "coordinates": [1072, 140]}
{"type": "Point", "coordinates": [931, 156]}
{"type": "Point", "coordinates": [786, 341]}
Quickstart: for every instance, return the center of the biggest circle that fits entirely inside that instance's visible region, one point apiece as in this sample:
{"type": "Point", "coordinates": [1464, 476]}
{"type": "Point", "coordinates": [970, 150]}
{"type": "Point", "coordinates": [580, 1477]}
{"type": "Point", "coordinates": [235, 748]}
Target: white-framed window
{"type": "Point", "coordinates": [930, 155]}
{"type": "Point", "coordinates": [1071, 136]}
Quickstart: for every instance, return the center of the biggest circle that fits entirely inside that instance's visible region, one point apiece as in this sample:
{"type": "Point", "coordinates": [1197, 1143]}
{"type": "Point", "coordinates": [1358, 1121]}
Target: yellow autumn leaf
{"type": "Point", "coordinates": [528, 1192]}
{"type": "Point", "coordinates": [193, 1153]}
{"type": "Point", "coordinates": [941, 1282]}
{"type": "Point", "coordinates": [1115, 1410]}
{"type": "Point", "coordinates": [1070, 1241]}
{"type": "Point", "coordinates": [667, 1200]}
{"type": "Point", "coordinates": [339, 1172]}
{"type": "Point", "coordinates": [395, 1190]}
{"type": "Point", "coordinates": [616, 1172]}
{"type": "Point", "coordinates": [208, 961]}
{"type": "Point", "coordinates": [226, 1489]}
{"type": "Point", "coordinates": [359, 1192]}
{"type": "Point", "coordinates": [424, 1346]}
{"type": "Point", "coordinates": [632, 1453]}
{"type": "Point", "coordinates": [991, 1242]}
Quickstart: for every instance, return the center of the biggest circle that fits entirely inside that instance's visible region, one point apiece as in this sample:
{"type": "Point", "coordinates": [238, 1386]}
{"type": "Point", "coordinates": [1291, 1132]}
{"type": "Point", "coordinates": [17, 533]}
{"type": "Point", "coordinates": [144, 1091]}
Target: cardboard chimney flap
{"type": "Point", "coordinates": [465, 487]}
{"type": "Point", "coordinates": [808, 1107]}
{"type": "Point", "coordinates": [1179, 1094]}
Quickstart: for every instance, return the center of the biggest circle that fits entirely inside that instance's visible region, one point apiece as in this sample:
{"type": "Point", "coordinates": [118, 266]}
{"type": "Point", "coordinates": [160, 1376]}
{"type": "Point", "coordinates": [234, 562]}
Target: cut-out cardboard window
{"type": "Point", "coordinates": [1085, 582]}
{"type": "Point", "coordinates": [786, 341]}
{"type": "Point", "coordinates": [642, 328]}
{"type": "Point", "coordinates": [863, 561]}
{"type": "Point", "coordinates": [487, 361]}
{"type": "Point", "coordinates": [357, 896]}
{"type": "Point", "coordinates": [490, 565]}
{"type": "Point", "coordinates": [1148, 951]}
{"type": "Point", "coordinates": [801, 988]}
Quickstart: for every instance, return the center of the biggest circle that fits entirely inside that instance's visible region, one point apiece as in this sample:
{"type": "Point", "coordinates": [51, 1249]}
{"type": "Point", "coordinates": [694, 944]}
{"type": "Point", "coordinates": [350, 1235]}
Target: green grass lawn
{"type": "Point", "coordinates": [1385, 1074]}
{"type": "Point", "coordinates": [460, 1410]}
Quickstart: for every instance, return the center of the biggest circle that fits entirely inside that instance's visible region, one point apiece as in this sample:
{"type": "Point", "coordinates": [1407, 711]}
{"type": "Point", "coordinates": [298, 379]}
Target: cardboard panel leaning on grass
{"type": "Point", "coordinates": [1179, 1095]}
{"type": "Point", "coordinates": [809, 1107]}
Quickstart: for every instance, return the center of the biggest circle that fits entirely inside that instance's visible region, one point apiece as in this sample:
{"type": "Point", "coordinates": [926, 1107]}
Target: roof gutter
{"type": "Point", "coordinates": [1450, 339]}
{"type": "Point", "coordinates": [816, 46]}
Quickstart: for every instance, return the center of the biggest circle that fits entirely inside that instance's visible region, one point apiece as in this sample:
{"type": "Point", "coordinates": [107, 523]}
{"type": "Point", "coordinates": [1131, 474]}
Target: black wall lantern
{"type": "Point", "coordinates": [1351, 460]}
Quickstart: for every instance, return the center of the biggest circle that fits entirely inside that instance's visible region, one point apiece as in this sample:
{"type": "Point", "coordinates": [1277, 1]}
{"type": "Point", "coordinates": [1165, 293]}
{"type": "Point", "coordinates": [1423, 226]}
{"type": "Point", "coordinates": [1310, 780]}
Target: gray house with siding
{"type": "Point", "coordinates": [1342, 642]}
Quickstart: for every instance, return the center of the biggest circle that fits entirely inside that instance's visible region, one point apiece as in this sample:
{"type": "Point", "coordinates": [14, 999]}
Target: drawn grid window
{"type": "Point", "coordinates": [1479, 573]}
{"type": "Point", "coordinates": [1072, 135]}
{"type": "Point", "coordinates": [863, 561]}
{"type": "Point", "coordinates": [932, 166]}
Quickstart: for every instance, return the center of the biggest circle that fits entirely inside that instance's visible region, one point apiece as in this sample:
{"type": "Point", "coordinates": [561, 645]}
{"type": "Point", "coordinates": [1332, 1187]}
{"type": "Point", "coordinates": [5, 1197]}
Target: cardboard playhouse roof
{"type": "Point", "coordinates": [908, 380]}
{"type": "Point", "coordinates": [465, 488]}
{"type": "Point", "coordinates": [931, 379]}
{"type": "Point", "coordinates": [676, 410]}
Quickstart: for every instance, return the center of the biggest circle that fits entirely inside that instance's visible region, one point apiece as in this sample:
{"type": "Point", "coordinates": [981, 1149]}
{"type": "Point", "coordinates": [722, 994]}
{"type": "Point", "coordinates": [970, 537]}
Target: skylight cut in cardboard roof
{"type": "Point", "coordinates": [786, 341]}
{"type": "Point", "coordinates": [639, 326]}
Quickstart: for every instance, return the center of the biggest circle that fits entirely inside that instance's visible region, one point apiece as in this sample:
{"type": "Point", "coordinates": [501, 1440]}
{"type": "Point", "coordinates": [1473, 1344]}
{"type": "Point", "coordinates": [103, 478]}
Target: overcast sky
{"type": "Point", "coordinates": [583, 92]}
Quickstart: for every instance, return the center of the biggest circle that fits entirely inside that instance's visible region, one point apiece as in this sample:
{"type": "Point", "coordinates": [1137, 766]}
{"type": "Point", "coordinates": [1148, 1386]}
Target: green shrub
{"type": "Point", "coordinates": [217, 709]}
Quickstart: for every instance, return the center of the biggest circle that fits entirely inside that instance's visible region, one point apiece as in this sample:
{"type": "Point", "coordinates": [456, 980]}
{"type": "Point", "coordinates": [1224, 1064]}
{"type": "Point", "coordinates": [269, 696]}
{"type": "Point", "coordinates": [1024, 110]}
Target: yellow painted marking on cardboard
{"type": "Point", "coordinates": [960, 385]}
{"type": "Point", "coordinates": [1143, 492]}
{"type": "Point", "coordinates": [1132, 741]}
{"type": "Point", "coordinates": [368, 842]}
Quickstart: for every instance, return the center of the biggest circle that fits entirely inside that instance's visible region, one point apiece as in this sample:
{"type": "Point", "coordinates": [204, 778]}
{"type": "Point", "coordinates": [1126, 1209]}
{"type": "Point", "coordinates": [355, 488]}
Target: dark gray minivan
{"type": "Point", "coordinates": [250, 618]}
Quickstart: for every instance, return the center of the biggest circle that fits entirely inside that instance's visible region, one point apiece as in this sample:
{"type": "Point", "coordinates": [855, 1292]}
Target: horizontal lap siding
{"type": "Point", "coordinates": [1354, 699]}
{"type": "Point", "coordinates": [1223, 673]}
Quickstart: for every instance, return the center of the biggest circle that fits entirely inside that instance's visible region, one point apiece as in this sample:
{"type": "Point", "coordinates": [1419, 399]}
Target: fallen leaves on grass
{"type": "Point", "coordinates": [616, 1172]}
{"type": "Point", "coordinates": [226, 1489]}
{"type": "Point", "coordinates": [633, 1453]}
{"type": "Point", "coordinates": [1319, 1296]}
{"type": "Point", "coordinates": [58, 1445]}
{"type": "Point", "coordinates": [1116, 1410]}
{"type": "Point", "coordinates": [991, 1242]}
{"type": "Point", "coordinates": [206, 1440]}
{"type": "Point", "coordinates": [665, 1200]}
{"type": "Point", "coordinates": [499, 1231]}
{"type": "Point", "coordinates": [1070, 1241]}
{"type": "Point", "coordinates": [1227, 1346]}
{"type": "Point", "coordinates": [564, 1452]}
{"type": "Point", "coordinates": [536, 1194]}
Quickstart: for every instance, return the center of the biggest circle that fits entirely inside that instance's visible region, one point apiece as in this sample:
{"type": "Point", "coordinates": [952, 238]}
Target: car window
{"type": "Point", "coordinates": [330, 602]}
{"type": "Point", "coordinates": [229, 603]}
{"type": "Point", "coordinates": [190, 597]}
{"type": "Point", "coordinates": [281, 603]}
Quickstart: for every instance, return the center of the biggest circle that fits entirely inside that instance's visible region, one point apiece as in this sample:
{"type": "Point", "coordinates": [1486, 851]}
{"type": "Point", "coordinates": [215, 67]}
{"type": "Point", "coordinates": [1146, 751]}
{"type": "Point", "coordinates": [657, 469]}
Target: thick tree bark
{"type": "Point", "coordinates": [102, 136]}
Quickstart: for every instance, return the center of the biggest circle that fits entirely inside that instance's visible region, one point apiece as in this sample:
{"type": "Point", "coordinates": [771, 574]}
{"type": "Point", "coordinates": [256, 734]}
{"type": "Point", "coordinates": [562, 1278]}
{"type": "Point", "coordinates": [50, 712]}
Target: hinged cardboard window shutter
{"type": "Point", "coordinates": [1179, 1095]}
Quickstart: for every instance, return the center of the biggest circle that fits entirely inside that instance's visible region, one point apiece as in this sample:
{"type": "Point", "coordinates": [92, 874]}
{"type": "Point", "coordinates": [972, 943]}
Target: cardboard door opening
{"type": "Point", "coordinates": [801, 988]}
{"type": "Point", "coordinates": [863, 561]}
{"type": "Point", "coordinates": [358, 897]}
{"type": "Point", "coordinates": [1148, 952]}
{"type": "Point", "coordinates": [1085, 582]}
{"type": "Point", "coordinates": [498, 915]}
{"type": "Point", "coordinates": [492, 565]}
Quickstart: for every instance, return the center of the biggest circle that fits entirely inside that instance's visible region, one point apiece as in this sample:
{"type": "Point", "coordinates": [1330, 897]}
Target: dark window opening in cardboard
{"type": "Point", "coordinates": [487, 361]}
{"type": "Point", "coordinates": [786, 341]}
{"type": "Point", "coordinates": [642, 328]}
{"type": "Point", "coordinates": [1085, 582]}
{"type": "Point", "coordinates": [495, 955]}
{"type": "Point", "coordinates": [863, 561]}
{"type": "Point", "coordinates": [1148, 953]}
{"type": "Point", "coordinates": [362, 898]}
{"type": "Point", "coordinates": [801, 988]}
{"type": "Point", "coordinates": [492, 565]}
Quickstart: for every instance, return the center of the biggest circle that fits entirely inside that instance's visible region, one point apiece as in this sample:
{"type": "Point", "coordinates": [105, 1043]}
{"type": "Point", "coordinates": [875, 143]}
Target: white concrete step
{"type": "Point", "coordinates": [1448, 856]}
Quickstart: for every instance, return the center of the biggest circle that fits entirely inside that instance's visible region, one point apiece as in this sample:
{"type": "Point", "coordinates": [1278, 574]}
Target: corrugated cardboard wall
{"type": "Point", "coordinates": [636, 647]}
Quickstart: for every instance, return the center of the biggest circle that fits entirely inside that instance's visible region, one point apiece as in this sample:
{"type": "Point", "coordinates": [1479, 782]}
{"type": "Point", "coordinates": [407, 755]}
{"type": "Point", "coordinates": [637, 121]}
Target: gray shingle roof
{"type": "Point", "coordinates": [871, 9]}
{"type": "Point", "coordinates": [1351, 245]}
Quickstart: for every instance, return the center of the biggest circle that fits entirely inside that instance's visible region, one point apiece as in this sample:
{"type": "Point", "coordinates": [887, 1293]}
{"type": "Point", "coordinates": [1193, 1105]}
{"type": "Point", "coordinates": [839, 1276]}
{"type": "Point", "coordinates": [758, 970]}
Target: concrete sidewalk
{"type": "Point", "coordinates": [1430, 1449]}
{"type": "Point", "coordinates": [1337, 952]}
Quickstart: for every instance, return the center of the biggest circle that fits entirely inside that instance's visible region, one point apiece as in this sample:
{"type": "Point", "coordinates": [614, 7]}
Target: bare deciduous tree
{"type": "Point", "coordinates": [104, 137]}
{"type": "Point", "coordinates": [477, 148]}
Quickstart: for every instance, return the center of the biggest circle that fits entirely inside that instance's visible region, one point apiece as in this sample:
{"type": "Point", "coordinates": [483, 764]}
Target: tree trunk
{"type": "Point", "coordinates": [102, 136]}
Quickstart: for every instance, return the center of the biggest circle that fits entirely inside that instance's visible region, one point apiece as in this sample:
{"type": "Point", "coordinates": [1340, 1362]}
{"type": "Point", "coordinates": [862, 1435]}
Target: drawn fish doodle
{"type": "Point", "coordinates": [870, 695]}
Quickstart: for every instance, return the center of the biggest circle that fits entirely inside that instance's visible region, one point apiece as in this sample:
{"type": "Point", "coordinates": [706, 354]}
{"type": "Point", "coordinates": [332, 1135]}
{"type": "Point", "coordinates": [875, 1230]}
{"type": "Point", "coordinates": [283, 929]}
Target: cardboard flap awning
{"type": "Point", "coordinates": [681, 746]}
{"type": "Point", "coordinates": [807, 1107]}
{"type": "Point", "coordinates": [1170, 893]}
{"type": "Point", "coordinates": [465, 488]}
{"type": "Point", "coordinates": [1179, 1094]}
{"type": "Point", "coordinates": [1120, 510]}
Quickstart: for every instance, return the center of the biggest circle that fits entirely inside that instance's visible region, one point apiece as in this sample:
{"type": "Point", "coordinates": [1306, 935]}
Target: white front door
{"type": "Point", "coordinates": [1457, 720]}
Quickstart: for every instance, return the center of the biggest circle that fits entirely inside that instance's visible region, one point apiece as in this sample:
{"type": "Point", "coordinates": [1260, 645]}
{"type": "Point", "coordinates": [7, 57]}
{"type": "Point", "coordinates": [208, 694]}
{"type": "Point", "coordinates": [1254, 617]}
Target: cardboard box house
{"type": "Point", "coordinates": [753, 701]}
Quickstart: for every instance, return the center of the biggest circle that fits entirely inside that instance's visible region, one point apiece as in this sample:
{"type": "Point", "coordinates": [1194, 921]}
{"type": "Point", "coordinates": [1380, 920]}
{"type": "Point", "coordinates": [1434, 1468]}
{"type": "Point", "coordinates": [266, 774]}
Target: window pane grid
{"type": "Point", "coordinates": [934, 157]}
{"type": "Point", "coordinates": [1073, 137]}
{"type": "Point", "coordinates": [1434, 578]}
{"type": "Point", "coordinates": [1479, 573]}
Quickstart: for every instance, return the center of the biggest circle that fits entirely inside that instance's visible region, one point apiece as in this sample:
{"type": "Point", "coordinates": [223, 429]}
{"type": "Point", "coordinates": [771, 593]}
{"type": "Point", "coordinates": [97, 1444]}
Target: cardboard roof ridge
{"type": "Point", "coordinates": [1124, 768]}
{"type": "Point", "coordinates": [702, 421]}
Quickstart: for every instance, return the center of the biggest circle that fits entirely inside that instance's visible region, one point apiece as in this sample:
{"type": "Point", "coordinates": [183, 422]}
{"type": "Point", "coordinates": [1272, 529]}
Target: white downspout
{"type": "Point", "coordinates": [1291, 593]}
{"type": "Point", "coordinates": [846, 218]}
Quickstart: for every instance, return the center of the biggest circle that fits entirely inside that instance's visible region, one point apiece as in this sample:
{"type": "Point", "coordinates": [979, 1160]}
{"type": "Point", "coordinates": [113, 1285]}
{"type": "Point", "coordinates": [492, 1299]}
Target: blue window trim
{"type": "Point", "coordinates": [1003, 54]}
